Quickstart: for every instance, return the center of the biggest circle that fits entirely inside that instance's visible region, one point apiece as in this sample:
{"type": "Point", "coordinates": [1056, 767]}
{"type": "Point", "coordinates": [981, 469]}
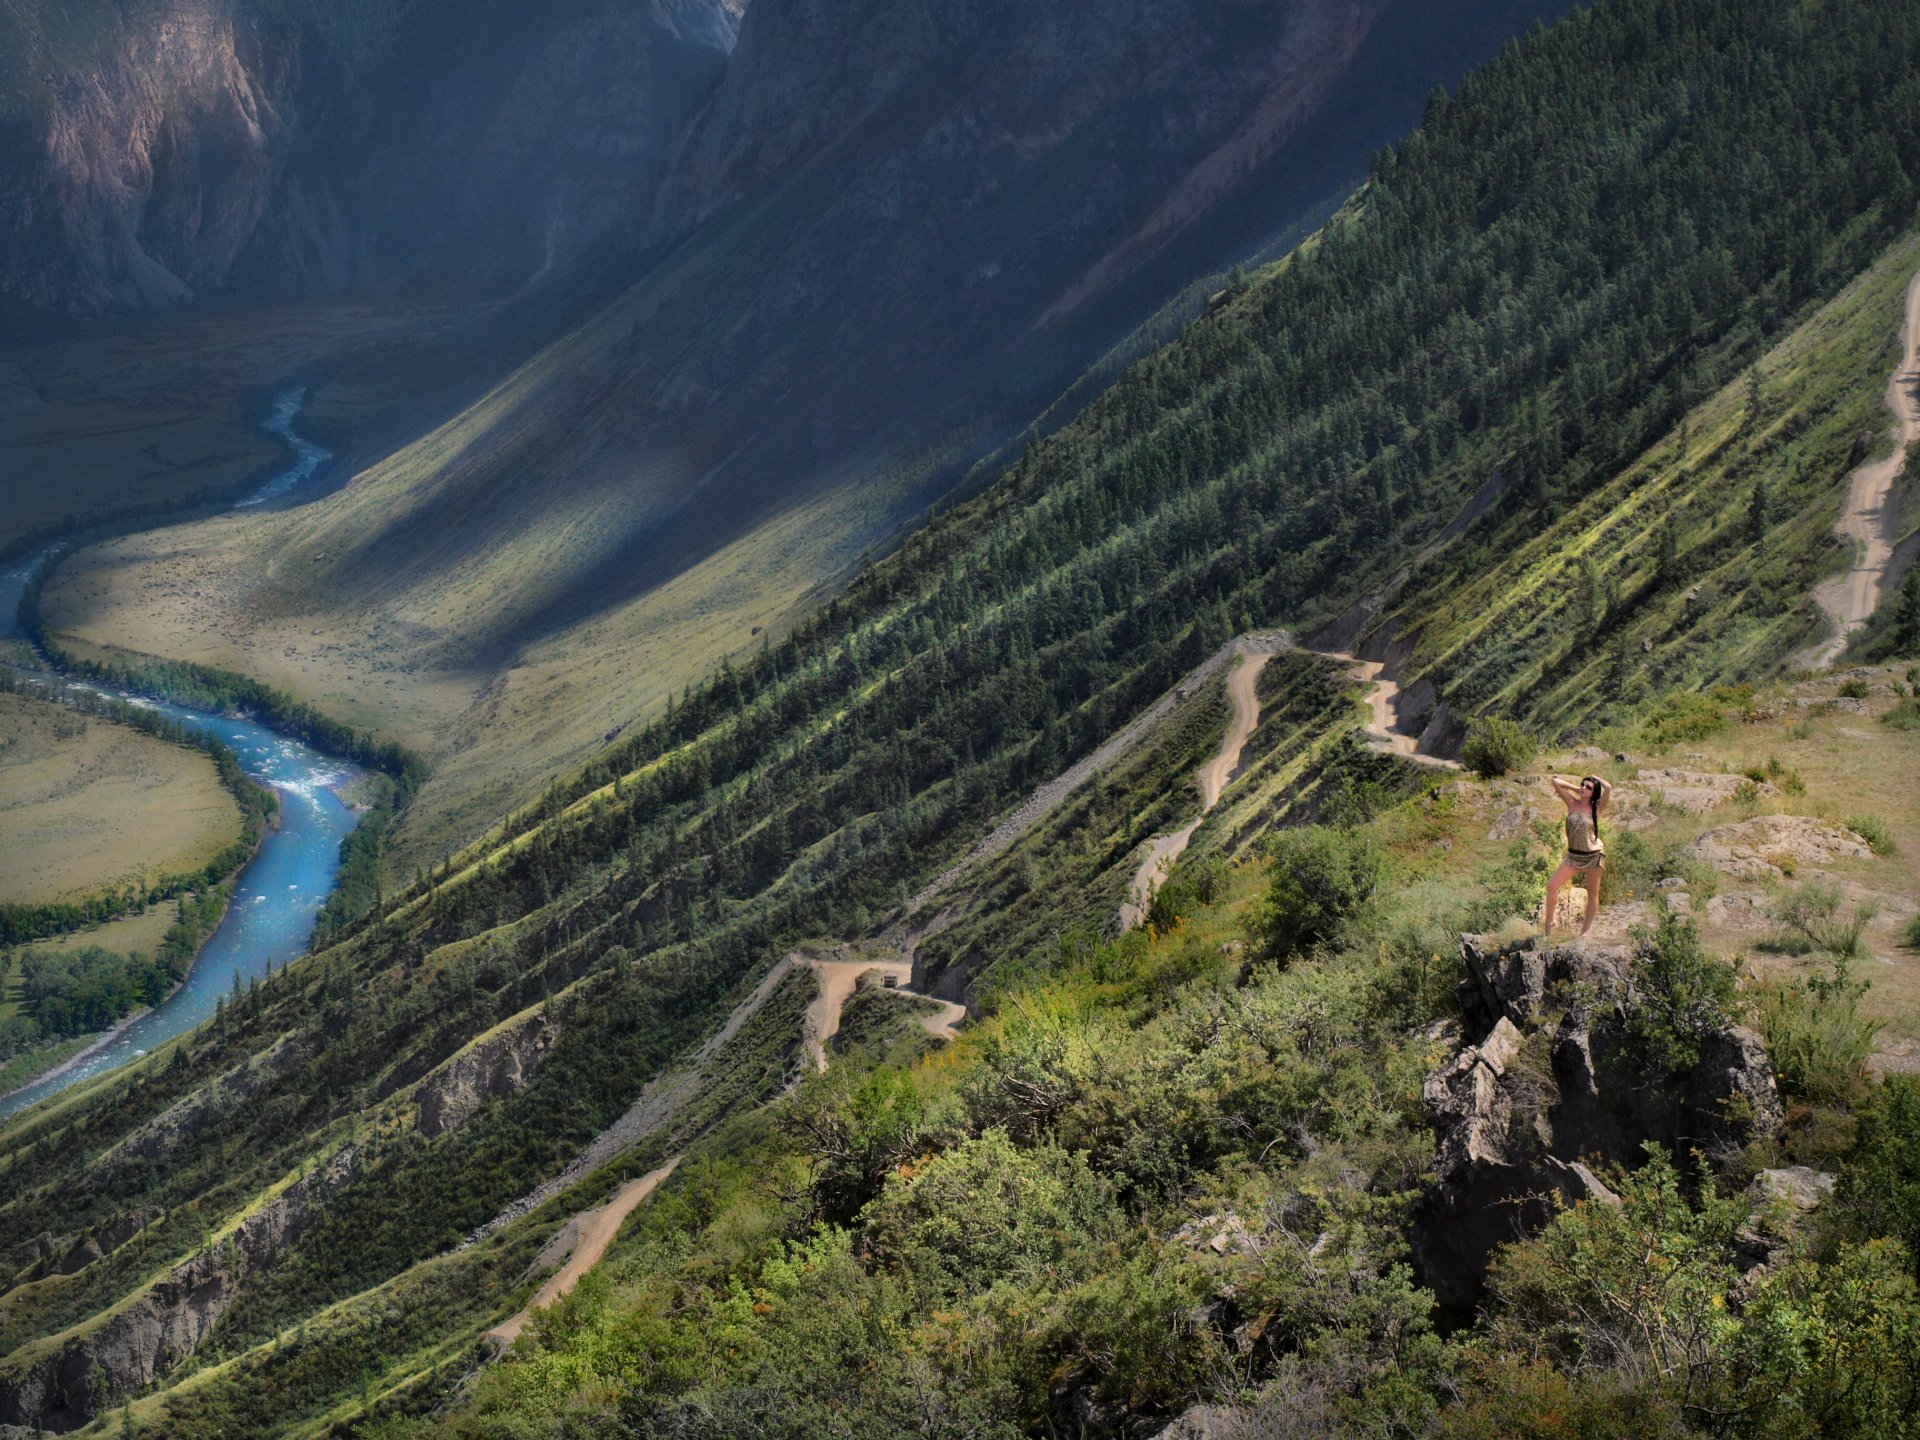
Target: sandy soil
{"type": "Point", "coordinates": [593, 1233]}
{"type": "Point", "coordinates": [1869, 523]}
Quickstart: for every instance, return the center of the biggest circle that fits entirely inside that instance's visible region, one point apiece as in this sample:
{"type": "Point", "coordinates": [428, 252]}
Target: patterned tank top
{"type": "Point", "coordinates": [1582, 837]}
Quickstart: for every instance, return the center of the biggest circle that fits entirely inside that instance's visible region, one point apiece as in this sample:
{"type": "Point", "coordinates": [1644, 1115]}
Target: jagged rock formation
{"type": "Point", "coordinates": [219, 1096]}
{"type": "Point", "coordinates": [49, 1254]}
{"type": "Point", "coordinates": [68, 1380]}
{"type": "Point", "coordinates": [1555, 1086]}
{"type": "Point", "coordinates": [493, 1066]}
{"type": "Point", "coordinates": [150, 153]}
{"type": "Point", "coordinates": [1767, 846]}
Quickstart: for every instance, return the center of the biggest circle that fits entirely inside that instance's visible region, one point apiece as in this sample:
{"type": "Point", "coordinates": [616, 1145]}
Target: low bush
{"type": "Point", "coordinates": [1684, 716]}
{"type": "Point", "coordinates": [1873, 830]}
{"type": "Point", "coordinates": [1322, 879]}
{"type": "Point", "coordinates": [1817, 1034]}
{"type": "Point", "coordinates": [1812, 912]}
{"type": "Point", "coordinates": [1683, 996]}
{"type": "Point", "coordinates": [1497, 746]}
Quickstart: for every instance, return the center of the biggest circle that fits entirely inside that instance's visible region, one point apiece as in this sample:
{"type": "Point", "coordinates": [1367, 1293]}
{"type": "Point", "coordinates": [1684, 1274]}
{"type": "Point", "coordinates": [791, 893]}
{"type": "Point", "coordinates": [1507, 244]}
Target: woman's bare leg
{"type": "Point", "coordinates": [1592, 881]}
{"type": "Point", "coordinates": [1553, 897]}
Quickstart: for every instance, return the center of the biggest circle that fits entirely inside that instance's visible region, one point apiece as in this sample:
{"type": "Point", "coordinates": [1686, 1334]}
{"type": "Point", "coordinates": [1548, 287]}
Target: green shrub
{"type": "Point", "coordinates": [1904, 716]}
{"type": "Point", "coordinates": [1817, 1034]}
{"type": "Point", "coordinates": [1681, 997]}
{"type": "Point", "coordinates": [1787, 778]}
{"type": "Point", "coordinates": [1516, 885]}
{"type": "Point", "coordinates": [1911, 939]}
{"type": "Point", "coordinates": [1683, 716]}
{"type": "Point", "coordinates": [1811, 911]}
{"type": "Point", "coordinates": [1854, 689]}
{"type": "Point", "coordinates": [1193, 886]}
{"type": "Point", "coordinates": [1873, 830]}
{"type": "Point", "coordinates": [1632, 866]}
{"type": "Point", "coordinates": [1497, 746]}
{"type": "Point", "coordinates": [1322, 879]}
{"type": "Point", "coordinates": [1880, 1185]}
{"type": "Point", "coordinates": [990, 1212]}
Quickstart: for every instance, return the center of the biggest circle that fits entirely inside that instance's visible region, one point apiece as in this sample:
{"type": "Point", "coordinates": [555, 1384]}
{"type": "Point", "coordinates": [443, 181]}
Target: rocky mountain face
{"type": "Point", "coordinates": [1560, 1084]}
{"type": "Point", "coordinates": [150, 154]}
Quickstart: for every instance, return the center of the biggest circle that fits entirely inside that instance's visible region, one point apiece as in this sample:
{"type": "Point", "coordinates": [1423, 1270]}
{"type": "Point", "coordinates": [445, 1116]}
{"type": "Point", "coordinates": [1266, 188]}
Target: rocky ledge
{"type": "Point", "coordinates": [1556, 1086]}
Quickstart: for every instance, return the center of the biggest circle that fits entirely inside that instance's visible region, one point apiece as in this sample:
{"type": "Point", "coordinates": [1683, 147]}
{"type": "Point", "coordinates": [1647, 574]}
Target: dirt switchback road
{"type": "Point", "coordinates": [1243, 691]}
{"type": "Point", "coordinates": [590, 1233]}
{"type": "Point", "coordinates": [1869, 523]}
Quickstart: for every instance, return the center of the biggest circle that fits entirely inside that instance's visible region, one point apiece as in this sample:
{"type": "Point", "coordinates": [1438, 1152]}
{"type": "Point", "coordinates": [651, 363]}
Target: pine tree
{"type": "Point", "coordinates": [1666, 565]}
{"type": "Point", "coordinates": [1906, 624]}
{"type": "Point", "coordinates": [1759, 512]}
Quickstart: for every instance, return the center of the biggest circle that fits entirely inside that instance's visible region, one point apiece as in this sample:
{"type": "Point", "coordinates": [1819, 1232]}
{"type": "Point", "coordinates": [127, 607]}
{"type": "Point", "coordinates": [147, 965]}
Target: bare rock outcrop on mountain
{"type": "Point", "coordinates": [151, 153]}
{"type": "Point", "coordinates": [1768, 846]}
{"type": "Point", "coordinates": [1556, 1086]}
{"type": "Point", "coordinates": [63, 1382]}
{"type": "Point", "coordinates": [493, 1066]}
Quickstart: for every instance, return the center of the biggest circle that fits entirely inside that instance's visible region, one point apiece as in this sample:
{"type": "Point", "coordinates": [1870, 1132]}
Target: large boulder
{"type": "Point", "coordinates": [1555, 1088]}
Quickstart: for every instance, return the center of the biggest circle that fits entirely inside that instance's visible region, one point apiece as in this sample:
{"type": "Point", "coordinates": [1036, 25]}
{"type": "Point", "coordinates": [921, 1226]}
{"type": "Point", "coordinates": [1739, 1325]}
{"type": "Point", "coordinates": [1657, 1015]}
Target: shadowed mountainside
{"type": "Point", "coordinates": [151, 154]}
{"type": "Point", "coordinates": [890, 238]}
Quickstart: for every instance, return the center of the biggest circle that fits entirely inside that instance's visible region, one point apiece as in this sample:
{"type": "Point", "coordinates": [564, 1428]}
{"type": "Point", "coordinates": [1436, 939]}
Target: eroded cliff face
{"type": "Point", "coordinates": [147, 169]}
{"type": "Point", "coordinates": [70, 1380]}
{"type": "Point", "coordinates": [150, 154]}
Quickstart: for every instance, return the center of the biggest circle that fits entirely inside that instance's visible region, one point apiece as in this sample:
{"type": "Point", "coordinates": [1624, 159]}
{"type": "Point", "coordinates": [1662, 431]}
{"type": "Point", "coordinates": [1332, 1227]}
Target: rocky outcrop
{"type": "Point", "coordinates": [1556, 1087]}
{"type": "Point", "coordinates": [491, 1068]}
{"type": "Point", "coordinates": [190, 143]}
{"type": "Point", "coordinates": [200, 1108]}
{"type": "Point", "coordinates": [1767, 847]}
{"type": "Point", "coordinates": [66, 1381]}
{"type": "Point", "coordinates": [1783, 1201]}
{"type": "Point", "coordinates": [1698, 791]}
{"type": "Point", "coordinates": [48, 1254]}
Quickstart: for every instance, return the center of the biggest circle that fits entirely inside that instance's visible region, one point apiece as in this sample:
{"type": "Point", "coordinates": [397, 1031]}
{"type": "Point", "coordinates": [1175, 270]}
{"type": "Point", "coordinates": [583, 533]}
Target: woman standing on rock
{"type": "Point", "coordinates": [1586, 800]}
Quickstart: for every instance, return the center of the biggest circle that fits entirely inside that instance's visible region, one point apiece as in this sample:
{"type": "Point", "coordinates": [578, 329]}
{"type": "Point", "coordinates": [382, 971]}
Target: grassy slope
{"type": "Point", "coordinates": [1501, 618]}
{"type": "Point", "coordinates": [90, 806]}
{"type": "Point", "coordinates": [647, 897]}
{"type": "Point", "coordinates": [1158, 1052]}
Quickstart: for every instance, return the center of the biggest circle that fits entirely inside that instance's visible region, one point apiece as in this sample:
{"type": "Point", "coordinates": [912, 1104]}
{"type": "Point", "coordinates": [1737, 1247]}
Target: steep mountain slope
{"type": "Point", "coordinates": [152, 153]}
{"type": "Point", "coordinates": [890, 239]}
{"type": "Point", "coordinates": [300, 1228]}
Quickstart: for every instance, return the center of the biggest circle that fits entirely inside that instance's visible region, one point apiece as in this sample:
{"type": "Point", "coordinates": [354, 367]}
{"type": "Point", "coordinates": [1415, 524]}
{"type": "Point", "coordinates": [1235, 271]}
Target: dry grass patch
{"type": "Point", "coordinates": [89, 806]}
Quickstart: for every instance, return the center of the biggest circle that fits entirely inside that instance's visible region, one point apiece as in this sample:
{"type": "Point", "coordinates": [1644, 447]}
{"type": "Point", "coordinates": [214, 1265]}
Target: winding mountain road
{"type": "Point", "coordinates": [1869, 523]}
{"type": "Point", "coordinates": [838, 979]}
{"type": "Point", "coordinates": [591, 1231]}
{"type": "Point", "coordinates": [1383, 700]}
{"type": "Point", "coordinates": [1243, 685]}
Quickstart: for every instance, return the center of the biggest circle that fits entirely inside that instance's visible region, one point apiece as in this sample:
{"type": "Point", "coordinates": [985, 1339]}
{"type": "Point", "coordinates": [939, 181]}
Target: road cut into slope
{"type": "Point", "coordinates": [838, 980]}
{"type": "Point", "coordinates": [1869, 524]}
{"type": "Point", "coordinates": [587, 1235]}
{"type": "Point", "coordinates": [1383, 704]}
{"type": "Point", "coordinates": [1243, 686]}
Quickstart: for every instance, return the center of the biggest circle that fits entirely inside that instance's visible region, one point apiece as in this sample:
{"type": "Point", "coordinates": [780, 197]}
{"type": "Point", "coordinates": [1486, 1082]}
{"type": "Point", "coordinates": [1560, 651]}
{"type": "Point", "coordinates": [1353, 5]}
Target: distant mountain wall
{"type": "Point", "coordinates": [149, 154]}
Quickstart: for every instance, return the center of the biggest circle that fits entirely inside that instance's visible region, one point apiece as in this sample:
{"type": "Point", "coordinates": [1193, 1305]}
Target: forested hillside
{"type": "Point", "coordinates": [1562, 280]}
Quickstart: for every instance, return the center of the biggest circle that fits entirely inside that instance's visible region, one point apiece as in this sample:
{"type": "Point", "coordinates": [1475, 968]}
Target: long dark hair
{"type": "Point", "coordinates": [1593, 800]}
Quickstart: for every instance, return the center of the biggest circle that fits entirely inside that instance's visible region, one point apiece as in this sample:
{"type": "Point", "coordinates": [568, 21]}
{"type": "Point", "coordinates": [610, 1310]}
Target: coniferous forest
{"type": "Point", "coordinates": [1637, 272]}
